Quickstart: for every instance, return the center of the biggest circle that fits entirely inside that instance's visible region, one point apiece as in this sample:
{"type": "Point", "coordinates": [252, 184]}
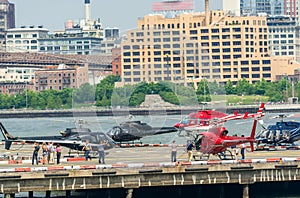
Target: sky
{"type": "Point", "coordinates": [52, 14]}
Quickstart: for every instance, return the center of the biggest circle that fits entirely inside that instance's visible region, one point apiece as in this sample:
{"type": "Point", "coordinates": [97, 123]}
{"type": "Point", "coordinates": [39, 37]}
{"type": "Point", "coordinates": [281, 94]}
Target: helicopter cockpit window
{"type": "Point", "coordinates": [116, 131]}
{"type": "Point", "coordinates": [102, 137]}
{"type": "Point", "coordinates": [264, 134]}
{"type": "Point", "coordinates": [286, 134]}
{"type": "Point", "coordinates": [193, 120]}
{"type": "Point", "coordinates": [185, 120]}
{"type": "Point", "coordinates": [91, 139]}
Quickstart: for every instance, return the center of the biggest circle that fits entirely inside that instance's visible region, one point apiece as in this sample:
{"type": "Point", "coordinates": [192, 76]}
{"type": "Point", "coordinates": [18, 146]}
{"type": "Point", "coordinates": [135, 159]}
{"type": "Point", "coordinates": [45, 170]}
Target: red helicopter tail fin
{"type": "Point", "coordinates": [235, 112]}
{"type": "Point", "coordinates": [252, 136]}
{"type": "Point", "coordinates": [260, 110]}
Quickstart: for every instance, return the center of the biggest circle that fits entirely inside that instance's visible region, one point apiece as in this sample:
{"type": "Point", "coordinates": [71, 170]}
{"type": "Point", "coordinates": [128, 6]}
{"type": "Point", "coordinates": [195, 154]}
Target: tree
{"type": "Point", "coordinates": [106, 87]}
{"type": "Point", "coordinates": [229, 89]}
{"type": "Point", "coordinates": [203, 92]}
{"type": "Point", "coordinates": [260, 87]}
{"type": "Point", "coordinates": [136, 99]}
{"type": "Point", "coordinates": [243, 87]}
{"type": "Point", "coordinates": [84, 94]}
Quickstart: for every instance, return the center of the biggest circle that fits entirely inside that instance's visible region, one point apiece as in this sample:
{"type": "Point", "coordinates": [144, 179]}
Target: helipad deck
{"type": "Point", "coordinates": [144, 167]}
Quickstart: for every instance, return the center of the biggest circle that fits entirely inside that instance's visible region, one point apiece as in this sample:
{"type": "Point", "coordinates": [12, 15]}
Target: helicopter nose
{"type": "Point", "coordinates": [177, 125]}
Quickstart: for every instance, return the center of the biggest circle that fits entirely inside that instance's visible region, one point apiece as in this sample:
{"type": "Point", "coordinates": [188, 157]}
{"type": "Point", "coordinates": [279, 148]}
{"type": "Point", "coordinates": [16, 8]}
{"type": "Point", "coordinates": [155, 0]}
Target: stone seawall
{"type": "Point", "coordinates": [180, 110]}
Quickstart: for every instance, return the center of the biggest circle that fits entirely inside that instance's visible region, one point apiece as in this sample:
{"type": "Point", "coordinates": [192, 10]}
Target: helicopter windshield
{"type": "Point", "coordinates": [185, 120]}
{"type": "Point", "coordinates": [102, 137]}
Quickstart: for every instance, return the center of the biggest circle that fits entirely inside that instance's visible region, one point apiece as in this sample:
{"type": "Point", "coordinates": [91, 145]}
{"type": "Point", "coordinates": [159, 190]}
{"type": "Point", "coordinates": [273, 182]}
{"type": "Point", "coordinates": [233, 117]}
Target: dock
{"type": "Point", "coordinates": [130, 171]}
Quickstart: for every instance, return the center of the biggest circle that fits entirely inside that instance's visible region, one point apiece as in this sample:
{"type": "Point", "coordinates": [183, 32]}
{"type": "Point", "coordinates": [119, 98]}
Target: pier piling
{"type": "Point", "coordinates": [246, 191]}
{"type": "Point", "coordinates": [129, 193]}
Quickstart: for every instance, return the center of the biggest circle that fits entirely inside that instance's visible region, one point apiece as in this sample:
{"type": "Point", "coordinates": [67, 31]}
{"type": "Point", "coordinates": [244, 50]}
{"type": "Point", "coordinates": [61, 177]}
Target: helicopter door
{"type": "Point", "coordinates": [286, 134]}
{"type": "Point", "coordinates": [278, 135]}
{"type": "Point", "coordinates": [271, 135]}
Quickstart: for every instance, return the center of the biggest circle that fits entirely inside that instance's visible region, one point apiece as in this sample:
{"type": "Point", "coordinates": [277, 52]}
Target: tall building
{"type": "Point", "coordinates": [282, 35]}
{"type": "Point", "coordinates": [7, 18]}
{"type": "Point", "coordinates": [61, 77]}
{"type": "Point", "coordinates": [183, 49]}
{"type": "Point", "coordinates": [112, 33]}
{"type": "Point", "coordinates": [269, 7]}
{"type": "Point", "coordinates": [291, 8]}
{"type": "Point", "coordinates": [112, 40]}
{"type": "Point", "coordinates": [72, 41]}
{"type": "Point", "coordinates": [191, 47]}
{"type": "Point", "coordinates": [82, 36]}
{"type": "Point", "coordinates": [25, 39]}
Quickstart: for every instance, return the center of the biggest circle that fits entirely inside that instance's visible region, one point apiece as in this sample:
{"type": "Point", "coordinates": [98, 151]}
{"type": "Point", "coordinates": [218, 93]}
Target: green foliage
{"type": "Point", "coordinates": [229, 89]}
{"type": "Point", "coordinates": [137, 99]}
{"type": "Point", "coordinates": [169, 97]}
{"type": "Point", "coordinates": [203, 92]}
{"type": "Point", "coordinates": [243, 87]}
{"type": "Point", "coordinates": [105, 94]}
{"type": "Point", "coordinates": [106, 87]}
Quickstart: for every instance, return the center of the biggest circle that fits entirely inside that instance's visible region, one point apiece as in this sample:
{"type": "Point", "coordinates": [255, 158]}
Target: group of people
{"type": "Point", "coordinates": [48, 151]}
{"type": "Point", "coordinates": [87, 148]}
{"type": "Point", "coordinates": [174, 148]}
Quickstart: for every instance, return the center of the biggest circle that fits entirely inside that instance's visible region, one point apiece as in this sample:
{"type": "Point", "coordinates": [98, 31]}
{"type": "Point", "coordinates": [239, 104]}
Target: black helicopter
{"type": "Point", "coordinates": [280, 133]}
{"type": "Point", "coordinates": [135, 130]}
{"type": "Point", "coordinates": [72, 138]}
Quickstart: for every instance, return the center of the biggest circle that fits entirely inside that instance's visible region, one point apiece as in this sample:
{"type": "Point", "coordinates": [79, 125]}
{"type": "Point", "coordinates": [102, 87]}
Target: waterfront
{"type": "Point", "coordinates": [52, 126]}
{"type": "Point", "coordinates": [145, 111]}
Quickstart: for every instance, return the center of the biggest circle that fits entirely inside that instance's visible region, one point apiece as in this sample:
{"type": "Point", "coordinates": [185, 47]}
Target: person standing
{"type": "Point", "coordinates": [101, 153]}
{"type": "Point", "coordinates": [36, 149]}
{"type": "Point", "coordinates": [58, 153]}
{"type": "Point", "coordinates": [50, 150]}
{"type": "Point", "coordinates": [44, 152]}
{"type": "Point", "coordinates": [189, 149]}
{"type": "Point", "coordinates": [87, 149]}
{"type": "Point", "coordinates": [243, 148]}
{"type": "Point", "coordinates": [173, 151]}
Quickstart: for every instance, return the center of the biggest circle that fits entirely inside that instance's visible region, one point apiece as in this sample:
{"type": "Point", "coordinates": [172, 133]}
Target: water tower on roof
{"type": "Point", "coordinates": [87, 4]}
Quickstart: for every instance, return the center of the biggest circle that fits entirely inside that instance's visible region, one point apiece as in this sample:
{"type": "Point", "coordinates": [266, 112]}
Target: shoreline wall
{"type": "Point", "coordinates": [181, 110]}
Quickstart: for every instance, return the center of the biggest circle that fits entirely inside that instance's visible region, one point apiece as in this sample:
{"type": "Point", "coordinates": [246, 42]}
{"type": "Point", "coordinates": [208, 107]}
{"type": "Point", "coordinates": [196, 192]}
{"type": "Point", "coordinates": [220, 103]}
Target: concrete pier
{"type": "Point", "coordinates": [132, 170]}
{"type": "Point", "coordinates": [33, 180]}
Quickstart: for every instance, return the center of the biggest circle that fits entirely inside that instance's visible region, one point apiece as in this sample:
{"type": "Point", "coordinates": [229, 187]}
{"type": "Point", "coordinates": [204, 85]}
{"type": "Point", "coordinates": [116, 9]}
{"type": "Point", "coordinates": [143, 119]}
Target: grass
{"type": "Point", "coordinates": [239, 100]}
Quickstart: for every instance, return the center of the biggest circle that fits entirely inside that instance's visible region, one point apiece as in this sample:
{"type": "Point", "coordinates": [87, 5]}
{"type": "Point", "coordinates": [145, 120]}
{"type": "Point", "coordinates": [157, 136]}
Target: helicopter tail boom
{"type": "Point", "coordinates": [7, 136]}
{"type": "Point", "coordinates": [252, 136]}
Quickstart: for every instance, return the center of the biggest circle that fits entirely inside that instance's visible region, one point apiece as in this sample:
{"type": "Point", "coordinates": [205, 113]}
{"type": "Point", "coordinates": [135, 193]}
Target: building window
{"type": "Point", "coordinates": [204, 31]}
{"type": "Point", "coordinates": [244, 62]}
{"type": "Point", "coordinates": [126, 47]}
{"type": "Point", "coordinates": [245, 75]}
{"type": "Point", "coordinates": [236, 42]}
{"type": "Point", "coordinates": [215, 44]}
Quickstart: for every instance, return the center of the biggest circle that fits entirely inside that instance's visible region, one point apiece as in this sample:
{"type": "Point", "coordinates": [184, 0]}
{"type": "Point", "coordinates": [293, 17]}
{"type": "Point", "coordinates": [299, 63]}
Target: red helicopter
{"type": "Point", "coordinates": [200, 121]}
{"type": "Point", "coordinates": [215, 141]}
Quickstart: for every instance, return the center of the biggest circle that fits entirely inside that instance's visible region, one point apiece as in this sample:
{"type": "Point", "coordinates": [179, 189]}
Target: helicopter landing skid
{"type": "Point", "coordinates": [226, 155]}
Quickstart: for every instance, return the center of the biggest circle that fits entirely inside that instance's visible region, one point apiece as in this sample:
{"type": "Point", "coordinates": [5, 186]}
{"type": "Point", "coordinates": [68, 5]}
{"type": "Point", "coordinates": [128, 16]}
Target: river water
{"type": "Point", "coordinates": [53, 125]}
